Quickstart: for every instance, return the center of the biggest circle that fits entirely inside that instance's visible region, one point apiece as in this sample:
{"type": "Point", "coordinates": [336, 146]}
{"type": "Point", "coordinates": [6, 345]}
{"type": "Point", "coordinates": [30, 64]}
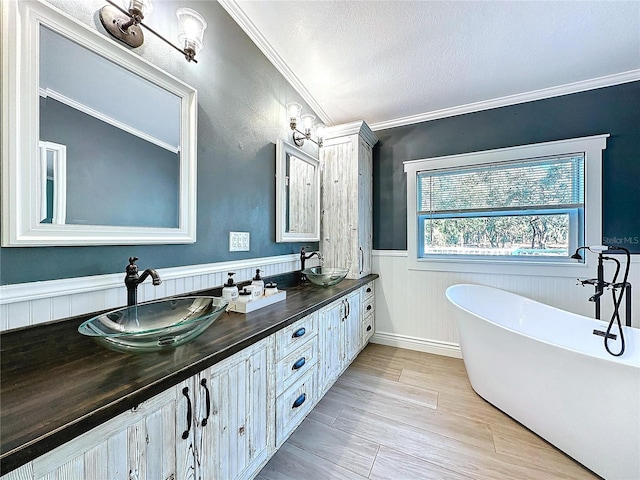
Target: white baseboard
{"type": "Point", "coordinates": [420, 344]}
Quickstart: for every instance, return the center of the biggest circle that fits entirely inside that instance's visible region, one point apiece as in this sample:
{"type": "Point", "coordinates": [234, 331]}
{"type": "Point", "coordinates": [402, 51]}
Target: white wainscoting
{"type": "Point", "coordinates": [412, 310]}
{"type": "Point", "coordinates": [27, 304]}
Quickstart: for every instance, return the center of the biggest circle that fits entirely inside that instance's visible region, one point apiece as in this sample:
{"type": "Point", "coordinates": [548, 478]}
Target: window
{"type": "Point", "coordinates": [518, 206]}
{"type": "Point", "coordinates": [530, 207]}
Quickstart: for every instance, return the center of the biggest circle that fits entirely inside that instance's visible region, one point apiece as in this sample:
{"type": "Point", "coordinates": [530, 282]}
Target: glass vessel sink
{"type": "Point", "coordinates": [324, 276]}
{"type": "Point", "coordinates": [155, 325]}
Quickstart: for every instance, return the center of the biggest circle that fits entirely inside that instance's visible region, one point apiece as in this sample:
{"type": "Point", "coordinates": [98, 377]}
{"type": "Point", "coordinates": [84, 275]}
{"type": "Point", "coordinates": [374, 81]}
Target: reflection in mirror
{"type": "Point", "coordinates": [99, 145]}
{"type": "Point", "coordinates": [301, 195]}
{"type": "Point", "coordinates": [121, 133]}
{"type": "Point", "coordinates": [53, 178]}
{"type": "Point", "coordinates": [297, 195]}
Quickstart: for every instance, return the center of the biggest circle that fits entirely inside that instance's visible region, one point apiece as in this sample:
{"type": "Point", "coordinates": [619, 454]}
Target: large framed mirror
{"type": "Point", "coordinates": [99, 146]}
{"type": "Point", "coordinates": [297, 195]}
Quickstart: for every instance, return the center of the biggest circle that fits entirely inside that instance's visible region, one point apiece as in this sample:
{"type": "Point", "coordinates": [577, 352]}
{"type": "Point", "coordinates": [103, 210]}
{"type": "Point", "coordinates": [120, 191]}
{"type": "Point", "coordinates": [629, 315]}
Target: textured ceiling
{"type": "Point", "coordinates": [385, 61]}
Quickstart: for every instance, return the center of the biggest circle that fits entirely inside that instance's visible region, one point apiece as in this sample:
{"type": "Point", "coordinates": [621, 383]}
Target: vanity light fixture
{"type": "Point", "coordinates": [125, 25]}
{"type": "Point", "coordinates": [299, 137]}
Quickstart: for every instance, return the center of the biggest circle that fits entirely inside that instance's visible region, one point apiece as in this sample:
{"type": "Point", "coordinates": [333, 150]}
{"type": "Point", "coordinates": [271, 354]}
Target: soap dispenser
{"type": "Point", "coordinates": [258, 283]}
{"type": "Point", "coordinates": [230, 290]}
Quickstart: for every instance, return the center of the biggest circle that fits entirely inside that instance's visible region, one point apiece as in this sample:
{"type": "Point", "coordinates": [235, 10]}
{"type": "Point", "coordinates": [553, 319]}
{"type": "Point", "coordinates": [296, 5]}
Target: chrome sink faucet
{"type": "Point", "coordinates": [132, 280]}
{"type": "Point", "coordinates": [303, 257]}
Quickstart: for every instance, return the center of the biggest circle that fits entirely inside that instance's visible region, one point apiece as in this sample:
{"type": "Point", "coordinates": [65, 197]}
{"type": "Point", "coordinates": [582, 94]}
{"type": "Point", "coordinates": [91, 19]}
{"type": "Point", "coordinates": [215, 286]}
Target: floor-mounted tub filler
{"type": "Point", "coordinates": [546, 368]}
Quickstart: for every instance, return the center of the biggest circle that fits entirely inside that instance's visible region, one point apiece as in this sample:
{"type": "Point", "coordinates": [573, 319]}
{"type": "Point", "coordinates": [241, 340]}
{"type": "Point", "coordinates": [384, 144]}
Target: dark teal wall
{"type": "Point", "coordinates": [614, 110]}
{"type": "Point", "coordinates": [241, 114]}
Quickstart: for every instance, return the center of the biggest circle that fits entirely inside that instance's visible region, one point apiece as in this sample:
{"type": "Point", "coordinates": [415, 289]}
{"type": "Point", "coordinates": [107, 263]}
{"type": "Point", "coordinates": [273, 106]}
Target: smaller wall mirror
{"type": "Point", "coordinates": [297, 195]}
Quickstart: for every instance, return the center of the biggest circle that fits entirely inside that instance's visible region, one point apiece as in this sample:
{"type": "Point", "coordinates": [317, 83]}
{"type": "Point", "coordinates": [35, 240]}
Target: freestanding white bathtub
{"type": "Point", "coordinates": [544, 367]}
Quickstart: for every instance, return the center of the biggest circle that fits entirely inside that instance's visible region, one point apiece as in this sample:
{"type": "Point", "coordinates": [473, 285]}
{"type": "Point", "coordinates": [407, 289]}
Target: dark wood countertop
{"type": "Point", "coordinates": [57, 384]}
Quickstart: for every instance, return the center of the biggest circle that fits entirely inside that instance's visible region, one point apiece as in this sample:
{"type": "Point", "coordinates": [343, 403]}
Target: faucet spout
{"type": "Point", "coordinates": [304, 256]}
{"type": "Point", "coordinates": [132, 280]}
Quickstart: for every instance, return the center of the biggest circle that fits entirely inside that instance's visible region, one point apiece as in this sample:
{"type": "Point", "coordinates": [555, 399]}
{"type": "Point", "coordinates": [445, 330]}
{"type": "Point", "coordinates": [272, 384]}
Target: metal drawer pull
{"type": "Point", "coordinates": [298, 333]}
{"type": "Point", "coordinates": [369, 307]}
{"type": "Point", "coordinates": [369, 290]}
{"type": "Point", "coordinates": [205, 420]}
{"type": "Point", "coordinates": [299, 401]}
{"type": "Point", "coordinates": [369, 328]}
{"type": "Point", "coordinates": [299, 364]}
{"type": "Point", "coordinates": [185, 434]}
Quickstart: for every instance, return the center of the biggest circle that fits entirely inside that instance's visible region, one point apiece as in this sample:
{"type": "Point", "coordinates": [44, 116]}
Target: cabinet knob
{"type": "Point", "coordinates": [299, 364]}
{"type": "Point", "coordinates": [298, 333]}
{"type": "Point", "coordinates": [299, 401]}
{"type": "Point", "coordinates": [369, 328]}
{"type": "Point", "coordinates": [369, 307]}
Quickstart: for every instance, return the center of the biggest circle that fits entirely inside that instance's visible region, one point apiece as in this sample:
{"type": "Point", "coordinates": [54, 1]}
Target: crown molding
{"type": "Point", "coordinates": [569, 88]}
{"type": "Point", "coordinates": [233, 8]}
{"type": "Point", "coordinates": [359, 127]}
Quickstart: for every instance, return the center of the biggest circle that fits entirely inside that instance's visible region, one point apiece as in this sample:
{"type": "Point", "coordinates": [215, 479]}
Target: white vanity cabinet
{"type": "Point", "coordinates": [341, 339]}
{"type": "Point", "coordinates": [346, 239]}
{"type": "Point", "coordinates": [225, 422]}
{"type": "Point", "coordinates": [136, 445]}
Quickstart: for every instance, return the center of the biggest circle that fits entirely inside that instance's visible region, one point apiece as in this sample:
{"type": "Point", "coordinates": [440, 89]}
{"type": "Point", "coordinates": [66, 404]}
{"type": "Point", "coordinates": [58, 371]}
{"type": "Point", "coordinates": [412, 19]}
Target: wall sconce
{"type": "Point", "coordinates": [125, 25]}
{"type": "Point", "coordinates": [307, 123]}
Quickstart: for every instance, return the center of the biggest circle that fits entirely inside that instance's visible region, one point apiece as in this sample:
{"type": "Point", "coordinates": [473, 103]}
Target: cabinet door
{"type": "Point", "coordinates": [340, 206]}
{"type": "Point", "coordinates": [138, 444]}
{"type": "Point", "coordinates": [352, 327]}
{"type": "Point", "coordinates": [195, 437]}
{"type": "Point", "coordinates": [332, 343]}
{"type": "Point", "coordinates": [242, 409]}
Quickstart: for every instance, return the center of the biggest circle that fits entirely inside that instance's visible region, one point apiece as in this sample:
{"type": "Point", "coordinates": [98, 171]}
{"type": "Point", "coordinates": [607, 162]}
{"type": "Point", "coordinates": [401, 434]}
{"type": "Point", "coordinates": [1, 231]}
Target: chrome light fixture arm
{"type": "Point", "coordinates": [299, 136]}
{"type": "Point", "coordinates": [126, 27]}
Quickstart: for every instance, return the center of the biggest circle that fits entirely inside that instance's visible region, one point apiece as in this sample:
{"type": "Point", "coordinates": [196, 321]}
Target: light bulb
{"type": "Point", "coordinates": [307, 121]}
{"type": "Point", "coordinates": [191, 31]}
{"type": "Point", "coordinates": [144, 7]}
{"type": "Point", "coordinates": [294, 112]}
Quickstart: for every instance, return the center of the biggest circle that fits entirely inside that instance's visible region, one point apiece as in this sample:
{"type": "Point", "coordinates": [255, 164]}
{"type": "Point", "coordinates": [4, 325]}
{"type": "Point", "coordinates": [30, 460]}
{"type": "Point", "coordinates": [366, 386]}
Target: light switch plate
{"type": "Point", "coordinates": [239, 241]}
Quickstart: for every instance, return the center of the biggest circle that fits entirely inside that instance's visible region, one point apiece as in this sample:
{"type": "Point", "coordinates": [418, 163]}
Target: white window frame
{"type": "Point", "coordinates": [592, 148]}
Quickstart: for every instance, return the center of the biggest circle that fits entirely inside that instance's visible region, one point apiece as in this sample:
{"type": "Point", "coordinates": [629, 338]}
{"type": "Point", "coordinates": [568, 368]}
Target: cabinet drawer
{"type": "Point", "coordinates": [367, 291]}
{"type": "Point", "coordinates": [368, 306]}
{"type": "Point", "coordinates": [296, 365]}
{"type": "Point", "coordinates": [290, 338]}
{"type": "Point", "coordinates": [293, 405]}
{"type": "Point", "coordinates": [368, 327]}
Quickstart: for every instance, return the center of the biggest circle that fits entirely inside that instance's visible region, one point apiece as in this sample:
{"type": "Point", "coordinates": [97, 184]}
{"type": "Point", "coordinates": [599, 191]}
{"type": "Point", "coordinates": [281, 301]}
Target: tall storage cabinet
{"type": "Point", "coordinates": [346, 238]}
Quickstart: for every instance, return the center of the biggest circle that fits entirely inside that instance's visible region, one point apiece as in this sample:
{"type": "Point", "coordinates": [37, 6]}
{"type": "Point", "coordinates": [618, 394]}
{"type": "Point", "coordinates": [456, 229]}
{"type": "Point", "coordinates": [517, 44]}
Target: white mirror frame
{"type": "Point", "coordinates": [283, 149]}
{"type": "Point", "coordinates": [21, 197]}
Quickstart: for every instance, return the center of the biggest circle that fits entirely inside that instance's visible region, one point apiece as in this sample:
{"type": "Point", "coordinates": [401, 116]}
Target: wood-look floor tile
{"type": "Point", "coordinates": [327, 410]}
{"type": "Point", "coordinates": [459, 428]}
{"type": "Point", "coordinates": [439, 381]}
{"type": "Point", "coordinates": [412, 358]}
{"type": "Point", "coordinates": [452, 455]}
{"type": "Point", "coordinates": [470, 406]}
{"type": "Point", "coordinates": [349, 451]}
{"type": "Point", "coordinates": [379, 369]}
{"type": "Point", "coordinates": [293, 463]}
{"type": "Point", "coordinates": [385, 401]}
{"type": "Point", "coordinates": [382, 386]}
{"type": "Point", "coordinates": [522, 443]}
{"type": "Point", "coordinates": [391, 464]}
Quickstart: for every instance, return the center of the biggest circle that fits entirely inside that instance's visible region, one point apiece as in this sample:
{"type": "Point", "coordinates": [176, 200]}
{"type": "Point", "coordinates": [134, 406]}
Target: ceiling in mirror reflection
{"type": "Point", "coordinates": [77, 76]}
